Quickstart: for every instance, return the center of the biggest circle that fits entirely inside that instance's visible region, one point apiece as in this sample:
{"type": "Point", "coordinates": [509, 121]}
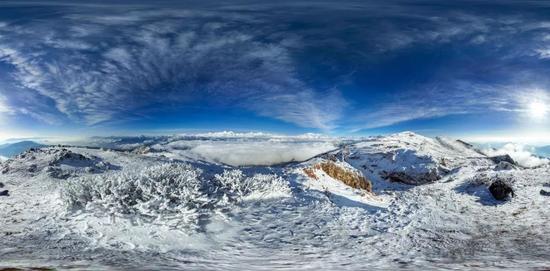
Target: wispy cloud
{"type": "Point", "coordinates": [106, 64]}
{"type": "Point", "coordinates": [453, 98]}
{"type": "Point", "coordinates": [96, 67]}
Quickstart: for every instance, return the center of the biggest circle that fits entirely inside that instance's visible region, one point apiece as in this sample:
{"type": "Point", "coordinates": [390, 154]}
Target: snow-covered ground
{"type": "Point", "coordinates": [230, 201]}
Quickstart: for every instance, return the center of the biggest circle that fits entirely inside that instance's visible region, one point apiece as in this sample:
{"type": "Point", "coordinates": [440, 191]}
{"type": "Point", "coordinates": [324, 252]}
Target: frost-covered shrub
{"type": "Point", "coordinates": [168, 193]}
{"type": "Point", "coordinates": [236, 186]}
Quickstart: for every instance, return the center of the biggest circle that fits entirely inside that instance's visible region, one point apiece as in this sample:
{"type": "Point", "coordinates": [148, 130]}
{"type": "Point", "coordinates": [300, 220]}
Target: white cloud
{"type": "Point", "coordinates": [436, 101]}
{"type": "Point", "coordinates": [4, 108]}
{"type": "Point", "coordinates": [160, 57]}
{"type": "Point", "coordinates": [451, 98]}
{"type": "Point", "coordinates": [519, 153]}
{"type": "Point", "coordinates": [260, 153]}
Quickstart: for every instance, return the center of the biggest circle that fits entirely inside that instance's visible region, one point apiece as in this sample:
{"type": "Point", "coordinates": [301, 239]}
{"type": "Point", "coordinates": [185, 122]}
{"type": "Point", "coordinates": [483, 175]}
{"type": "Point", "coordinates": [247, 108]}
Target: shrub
{"type": "Point", "coordinates": [238, 187]}
{"type": "Point", "coordinates": [171, 192]}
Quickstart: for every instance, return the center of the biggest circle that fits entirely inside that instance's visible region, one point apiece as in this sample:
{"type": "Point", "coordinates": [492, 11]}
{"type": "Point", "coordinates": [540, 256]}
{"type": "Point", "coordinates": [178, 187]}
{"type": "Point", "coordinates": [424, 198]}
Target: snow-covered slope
{"type": "Point", "coordinates": [402, 201]}
{"type": "Point", "coordinates": [413, 159]}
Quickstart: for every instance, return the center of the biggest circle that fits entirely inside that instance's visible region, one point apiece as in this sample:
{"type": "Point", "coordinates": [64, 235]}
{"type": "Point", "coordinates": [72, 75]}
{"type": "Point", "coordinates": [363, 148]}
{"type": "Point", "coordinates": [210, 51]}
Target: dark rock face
{"type": "Point", "coordinates": [544, 193]}
{"type": "Point", "coordinates": [501, 190]}
{"type": "Point", "coordinates": [1, 185]}
{"type": "Point", "coordinates": [503, 158]}
{"type": "Point", "coordinates": [505, 166]}
{"type": "Point", "coordinates": [413, 179]}
{"type": "Point", "coordinates": [4, 193]}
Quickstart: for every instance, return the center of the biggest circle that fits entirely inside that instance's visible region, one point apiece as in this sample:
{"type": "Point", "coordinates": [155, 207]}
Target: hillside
{"type": "Point", "coordinates": [12, 149]}
{"type": "Point", "coordinates": [399, 201]}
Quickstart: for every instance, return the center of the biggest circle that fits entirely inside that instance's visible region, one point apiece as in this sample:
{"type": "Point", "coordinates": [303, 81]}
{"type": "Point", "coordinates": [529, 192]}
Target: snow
{"type": "Point", "coordinates": [173, 208]}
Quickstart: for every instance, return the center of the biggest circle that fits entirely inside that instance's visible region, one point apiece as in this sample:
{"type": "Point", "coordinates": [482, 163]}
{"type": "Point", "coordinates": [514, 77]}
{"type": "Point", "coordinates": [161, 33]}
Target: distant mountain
{"type": "Point", "coordinates": [13, 149]}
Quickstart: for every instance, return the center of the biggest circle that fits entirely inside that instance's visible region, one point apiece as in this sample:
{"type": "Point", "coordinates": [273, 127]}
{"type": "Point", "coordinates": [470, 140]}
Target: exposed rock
{"type": "Point", "coordinates": [142, 150]}
{"type": "Point", "coordinates": [503, 165]}
{"type": "Point", "coordinates": [1, 185]}
{"type": "Point", "coordinates": [465, 143]}
{"type": "Point", "coordinates": [416, 179]}
{"type": "Point", "coordinates": [33, 168]}
{"type": "Point", "coordinates": [4, 193]}
{"type": "Point", "coordinates": [348, 176]}
{"type": "Point", "coordinates": [545, 193]}
{"type": "Point", "coordinates": [57, 172]}
{"type": "Point", "coordinates": [57, 162]}
{"type": "Point", "coordinates": [501, 190]}
{"type": "Point", "coordinates": [503, 158]}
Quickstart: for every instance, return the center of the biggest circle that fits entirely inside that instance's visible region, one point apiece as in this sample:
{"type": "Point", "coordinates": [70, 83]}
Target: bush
{"type": "Point", "coordinates": [171, 192]}
{"type": "Point", "coordinates": [238, 187]}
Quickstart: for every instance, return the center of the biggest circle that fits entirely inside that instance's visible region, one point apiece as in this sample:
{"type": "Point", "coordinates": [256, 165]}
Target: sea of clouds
{"type": "Point", "coordinates": [522, 154]}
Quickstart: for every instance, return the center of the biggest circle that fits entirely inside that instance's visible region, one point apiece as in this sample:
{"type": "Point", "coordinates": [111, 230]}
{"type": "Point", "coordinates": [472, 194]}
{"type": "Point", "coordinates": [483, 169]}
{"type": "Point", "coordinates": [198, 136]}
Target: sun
{"type": "Point", "coordinates": [537, 110]}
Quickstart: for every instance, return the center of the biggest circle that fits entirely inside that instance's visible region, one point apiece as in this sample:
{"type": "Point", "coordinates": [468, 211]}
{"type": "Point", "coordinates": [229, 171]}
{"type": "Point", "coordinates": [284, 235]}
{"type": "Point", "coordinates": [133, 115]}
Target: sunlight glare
{"type": "Point", "coordinates": [537, 110]}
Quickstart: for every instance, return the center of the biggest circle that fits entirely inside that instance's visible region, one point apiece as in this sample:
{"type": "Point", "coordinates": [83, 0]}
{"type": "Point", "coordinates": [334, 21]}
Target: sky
{"type": "Point", "coordinates": [471, 69]}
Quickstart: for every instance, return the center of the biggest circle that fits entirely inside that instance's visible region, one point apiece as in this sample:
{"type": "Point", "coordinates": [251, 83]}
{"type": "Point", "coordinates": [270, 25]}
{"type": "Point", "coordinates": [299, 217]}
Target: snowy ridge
{"type": "Point", "coordinates": [413, 159]}
{"type": "Point", "coordinates": [119, 209]}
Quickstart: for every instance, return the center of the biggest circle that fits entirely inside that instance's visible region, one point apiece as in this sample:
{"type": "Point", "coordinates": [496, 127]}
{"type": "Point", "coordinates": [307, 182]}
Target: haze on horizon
{"type": "Point", "coordinates": [471, 69]}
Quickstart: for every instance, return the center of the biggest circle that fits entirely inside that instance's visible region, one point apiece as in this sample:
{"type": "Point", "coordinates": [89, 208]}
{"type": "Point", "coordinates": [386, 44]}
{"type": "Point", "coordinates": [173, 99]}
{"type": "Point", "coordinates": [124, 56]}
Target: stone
{"type": "Point", "coordinates": [501, 190]}
{"type": "Point", "coordinates": [5, 193]}
{"type": "Point", "coordinates": [503, 158]}
{"type": "Point", "coordinates": [503, 165]}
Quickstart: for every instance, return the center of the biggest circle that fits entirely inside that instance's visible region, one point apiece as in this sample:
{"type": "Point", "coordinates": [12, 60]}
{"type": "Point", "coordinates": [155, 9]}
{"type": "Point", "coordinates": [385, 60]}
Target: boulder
{"type": "Point", "coordinates": [1, 185]}
{"type": "Point", "coordinates": [501, 190]}
{"type": "Point", "coordinates": [503, 158]}
{"type": "Point", "coordinates": [412, 178]}
{"type": "Point", "coordinates": [544, 193]}
{"type": "Point", "coordinates": [4, 193]}
{"type": "Point", "coordinates": [503, 165]}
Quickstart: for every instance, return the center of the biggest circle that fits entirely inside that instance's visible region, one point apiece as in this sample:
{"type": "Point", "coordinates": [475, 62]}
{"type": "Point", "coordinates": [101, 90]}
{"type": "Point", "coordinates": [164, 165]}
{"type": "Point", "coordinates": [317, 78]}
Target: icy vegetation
{"type": "Point", "coordinates": [162, 193]}
{"type": "Point", "coordinates": [239, 187]}
{"type": "Point", "coordinates": [261, 202]}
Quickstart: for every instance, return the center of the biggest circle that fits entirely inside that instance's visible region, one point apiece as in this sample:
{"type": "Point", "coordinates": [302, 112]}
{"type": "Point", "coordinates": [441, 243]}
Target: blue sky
{"type": "Point", "coordinates": [469, 69]}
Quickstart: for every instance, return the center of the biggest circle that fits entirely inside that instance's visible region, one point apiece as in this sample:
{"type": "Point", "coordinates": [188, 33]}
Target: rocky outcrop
{"type": "Point", "coordinates": [57, 162]}
{"type": "Point", "coordinates": [345, 174]}
{"type": "Point", "coordinates": [503, 165]}
{"type": "Point", "coordinates": [503, 158]}
{"type": "Point", "coordinates": [411, 178]}
{"type": "Point", "coordinates": [413, 159]}
{"type": "Point", "coordinates": [501, 190]}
